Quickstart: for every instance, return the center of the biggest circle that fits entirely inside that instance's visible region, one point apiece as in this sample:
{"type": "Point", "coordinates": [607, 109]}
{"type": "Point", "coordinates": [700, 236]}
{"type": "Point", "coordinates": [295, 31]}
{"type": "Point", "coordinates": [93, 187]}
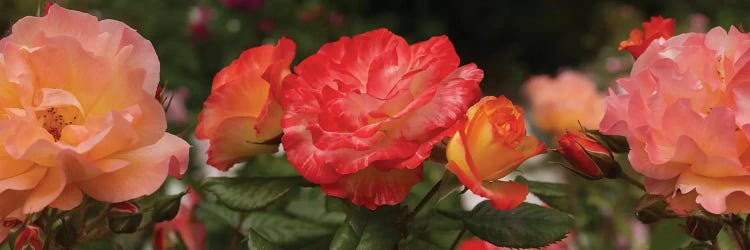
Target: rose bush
{"type": "Point", "coordinates": [79, 115]}
{"type": "Point", "coordinates": [362, 113]}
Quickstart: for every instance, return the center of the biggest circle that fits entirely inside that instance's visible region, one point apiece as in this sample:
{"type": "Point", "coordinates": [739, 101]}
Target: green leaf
{"type": "Point", "coordinates": [697, 245]}
{"type": "Point", "coordinates": [526, 226]}
{"type": "Point", "coordinates": [448, 184]}
{"type": "Point", "coordinates": [554, 194]}
{"type": "Point", "coordinates": [310, 204]}
{"type": "Point", "coordinates": [256, 241]}
{"type": "Point", "coordinates": [284, 230]}
{"type": "Point", "coordinates": [365, 229]}
{"type": "Point", "coordinates": [249, 193]}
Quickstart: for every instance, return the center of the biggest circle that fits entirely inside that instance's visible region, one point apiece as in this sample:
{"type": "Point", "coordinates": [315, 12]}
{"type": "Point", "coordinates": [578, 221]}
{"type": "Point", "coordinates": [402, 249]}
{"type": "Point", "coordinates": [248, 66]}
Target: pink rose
{"type": "Point", "coordinates": [78, 115]}
{"type": "Point", "coordinates": [685, 111]}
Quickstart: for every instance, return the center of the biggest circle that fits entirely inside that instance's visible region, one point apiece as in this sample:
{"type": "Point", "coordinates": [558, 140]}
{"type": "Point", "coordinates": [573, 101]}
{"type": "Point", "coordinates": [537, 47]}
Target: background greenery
{"type": "Point", "coordinates": [510, 40]}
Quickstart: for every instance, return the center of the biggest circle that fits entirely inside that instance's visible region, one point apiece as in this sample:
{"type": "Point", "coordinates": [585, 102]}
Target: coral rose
{"type": "Point", "coordinates": [79, 116]}
{"type": "Point", "coordinates": [490, 146]}
{"type": "Point", "coordinates": [559, 104]}
{"type": "Point", "coordinates": [242, 113]}
{"type": "Point", "coordinates": [685, 111]}
{"type": "Point", "coordinates": [362, 113]}
{"type": "Point", "coordinates": [639, 40]}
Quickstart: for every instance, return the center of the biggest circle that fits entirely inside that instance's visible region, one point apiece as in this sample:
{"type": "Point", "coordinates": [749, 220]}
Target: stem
{"type": "Point", "coordinates": [236, 234]}
{"type": "Point", "coordinates": [425, 199]}
{"type": "Point", "coordinates": [633, 181]}
{"type": "Point", "coordinates": [98, 220]}
{"type": "Point", "coordinates": [736, 228]}
{"type": "Point", "coordinates": [458, 238]}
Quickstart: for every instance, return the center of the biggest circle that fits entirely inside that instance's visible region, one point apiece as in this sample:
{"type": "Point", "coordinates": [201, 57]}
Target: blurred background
{"type": "Point", "coordinates": [510, 40]}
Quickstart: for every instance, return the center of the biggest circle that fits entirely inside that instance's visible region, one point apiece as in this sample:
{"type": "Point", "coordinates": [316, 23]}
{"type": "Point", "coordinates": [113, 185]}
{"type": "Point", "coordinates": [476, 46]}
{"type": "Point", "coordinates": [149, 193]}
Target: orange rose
{"type": "Point", "coordinates": [564, 103]}
{"type": "Point", "coordinates": [242, 112]}
{"type": "Point", "coordinates": [78, 115]}
{"type": "Point", "coordinates": [490, 146]}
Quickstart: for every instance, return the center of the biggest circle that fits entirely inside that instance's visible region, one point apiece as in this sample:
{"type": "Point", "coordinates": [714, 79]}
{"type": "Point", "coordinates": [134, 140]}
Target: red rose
{"type": "Point", "coordinates": [639, 40]}
{"type": "Point", "coordinates": [362, 113]}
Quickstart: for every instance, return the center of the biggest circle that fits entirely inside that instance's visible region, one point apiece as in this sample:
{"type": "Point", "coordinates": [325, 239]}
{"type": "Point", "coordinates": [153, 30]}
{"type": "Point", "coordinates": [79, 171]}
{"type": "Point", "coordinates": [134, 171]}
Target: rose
{"type": "Point", "coordinates": [588, 158]}
{"type": "Point", "coordinates": [242, 113]}
{"type": "Point", "coordinates": [79, 116]}
{"type": "Point", "coordinates": [684, 111]}
{"type": "Point", "coordinates": [492, 144]}
{"type": "Point", "coordinates": [362, 113]}
{"type": "Point", "coordinates": [564, 103]}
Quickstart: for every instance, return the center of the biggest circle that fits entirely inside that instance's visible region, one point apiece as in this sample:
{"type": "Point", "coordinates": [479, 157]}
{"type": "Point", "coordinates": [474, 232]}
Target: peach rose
{"type": "Point", "coordinates": [559, 104]}
{"type": "Point", "coordinates": [490, 146]}
{"type": "Point", "coordinates": [685, 111]}
{"type": "Point", "coordinates": [243, 113]}
{"type": "Point", "coordinates": [79, 116]}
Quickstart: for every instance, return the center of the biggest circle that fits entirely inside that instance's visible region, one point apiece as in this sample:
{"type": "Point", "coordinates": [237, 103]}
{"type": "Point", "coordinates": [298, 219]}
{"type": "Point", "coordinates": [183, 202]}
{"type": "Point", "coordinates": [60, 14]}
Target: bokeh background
{"type": "Point", "coordinates": [509, 40]}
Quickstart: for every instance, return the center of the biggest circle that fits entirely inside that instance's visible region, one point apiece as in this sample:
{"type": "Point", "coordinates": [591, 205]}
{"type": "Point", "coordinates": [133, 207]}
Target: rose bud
{"type": "Point", "coordinates": [650, 208]}
{"type": "Point", "coordinates": [29, 238]}
{"type": "Point", "coordinates": [588, 158]}
{"type": "Point", "coordinates": [124, 217]}
{"type": "Point", "coordinates": [703, 229]}
{"type": "Point", "coordinates": [615, 143]}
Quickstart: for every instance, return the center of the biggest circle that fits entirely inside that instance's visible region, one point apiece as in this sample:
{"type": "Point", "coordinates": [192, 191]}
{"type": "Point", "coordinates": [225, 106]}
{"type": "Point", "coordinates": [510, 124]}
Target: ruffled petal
{"type": "Point", "coordinates": [372, 187]}
{"type": "Point", "coordinates": [147, 171]}
{"type": "Point", "coordinates": [235, 143]}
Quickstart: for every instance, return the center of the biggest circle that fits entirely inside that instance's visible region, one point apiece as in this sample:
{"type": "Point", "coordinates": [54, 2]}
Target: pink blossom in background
{"type": "Point", "coordinates": [336, 19]}
{"type": "Point", "coordinates": [244, 4]}
{"type": "Point", "coordinates": [175, 100]}
{"type": "Point", "coordinates": [565, 102]}
{"type": "Point", "coordinates": [198, 19]}
{"type": "Point", "coordinates": [698, 22]}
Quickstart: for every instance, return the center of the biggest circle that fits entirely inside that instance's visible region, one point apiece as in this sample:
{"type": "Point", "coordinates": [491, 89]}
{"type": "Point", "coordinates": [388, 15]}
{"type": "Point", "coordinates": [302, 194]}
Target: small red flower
{"type": "Point", "coordinates": [657, 28]}
{"type": "Point", "coordinates": [588, 158]}
{"type": "Point", "coordinates": [362, 114]}
{"type": "Point", "coordinates": [29, 239]}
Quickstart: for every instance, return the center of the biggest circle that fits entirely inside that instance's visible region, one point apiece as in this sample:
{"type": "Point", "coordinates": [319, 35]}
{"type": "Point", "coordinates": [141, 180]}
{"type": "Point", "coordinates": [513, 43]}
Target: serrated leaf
{"type": "Point", "coordinates": [310, 204]}
{"type": "Point", "coordinates": [249, 193]}
{"type": "Point", "coordinates": [554, 194]}
{"type": "Point", "coordinates": [284, 230]}
{"type": "Point", "coordinates": [526, 226]}
{"type": "Point", "coordinates": [365, 229]}
{"type": "Point", "coordinates": [256, 241]}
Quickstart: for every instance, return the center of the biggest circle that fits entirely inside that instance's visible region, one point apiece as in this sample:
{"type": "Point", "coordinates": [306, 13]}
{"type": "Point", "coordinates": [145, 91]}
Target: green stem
{"type": "Point", "coordinates": [425, 200]}
{"type": "Point", "coordinates": [458, 238]}
{"type": "Point", "coordinates": [633, 181]}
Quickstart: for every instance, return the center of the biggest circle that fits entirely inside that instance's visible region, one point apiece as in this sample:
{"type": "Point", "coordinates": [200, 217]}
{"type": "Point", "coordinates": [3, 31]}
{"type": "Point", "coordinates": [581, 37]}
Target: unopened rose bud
{"type": "Point", "coordinates": [651, 208]}
{"type": "Point", "coordinates": [124, 217]}
{"type": "Point", "coordinates": [588, 158]}
{"type": "Point", "coordinates": [703, 229]}
{"type": "Point", "coordinates": [29, 239]}
{"type": "Point", "coordinates": [615, 143]}
{"type": "Point", "coordinates": [66, 234]}
{"type": "Point", "coordinates": [167, 208]}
